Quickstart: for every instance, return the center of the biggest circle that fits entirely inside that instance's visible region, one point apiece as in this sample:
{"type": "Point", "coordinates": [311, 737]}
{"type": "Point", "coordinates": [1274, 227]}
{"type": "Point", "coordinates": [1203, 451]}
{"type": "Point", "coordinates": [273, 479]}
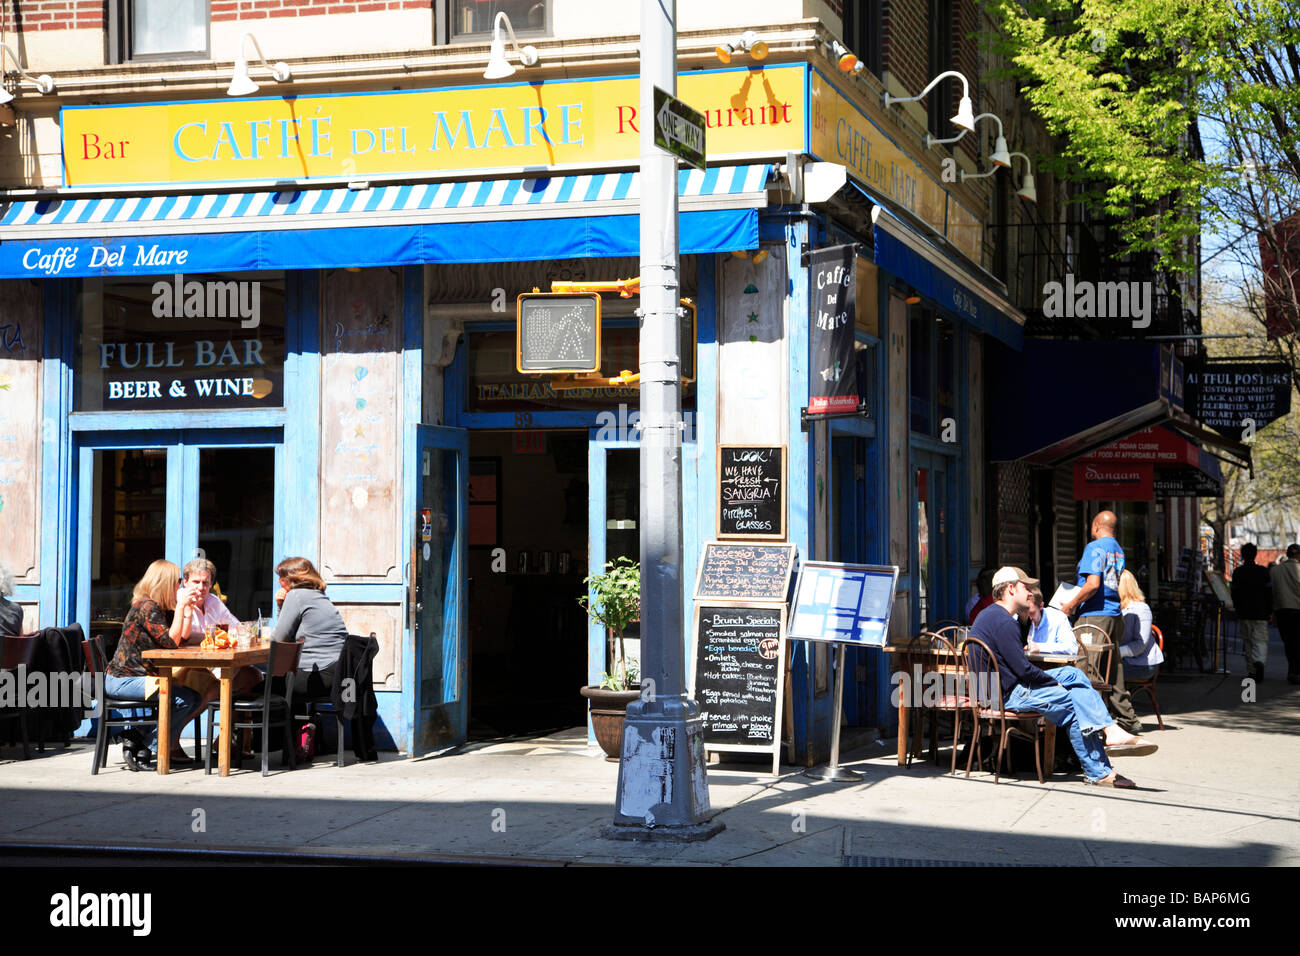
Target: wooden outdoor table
{"type": "Point", "coordinates": [930, 659]}
{"type": "Point", "coordinates": [223, 665]}
{"type": "Point", "coordinates": [1051, 659]}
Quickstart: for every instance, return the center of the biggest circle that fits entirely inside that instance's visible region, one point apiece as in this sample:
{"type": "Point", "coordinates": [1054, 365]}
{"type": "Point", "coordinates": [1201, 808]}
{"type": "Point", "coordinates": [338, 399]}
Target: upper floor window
{"type": "Point", "coordinates": [863, 28]}
{"type": "Point", "coordinates": [157, 29]}
{"type": "Point", "coordinates": [476, 17]}
{"type": "Point", "coordinates": [942, 101]}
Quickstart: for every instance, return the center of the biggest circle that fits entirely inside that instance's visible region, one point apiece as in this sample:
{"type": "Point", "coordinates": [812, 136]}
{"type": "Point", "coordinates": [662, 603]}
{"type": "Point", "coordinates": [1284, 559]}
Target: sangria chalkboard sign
{"type": "Point", "coordinates": [751, 491]}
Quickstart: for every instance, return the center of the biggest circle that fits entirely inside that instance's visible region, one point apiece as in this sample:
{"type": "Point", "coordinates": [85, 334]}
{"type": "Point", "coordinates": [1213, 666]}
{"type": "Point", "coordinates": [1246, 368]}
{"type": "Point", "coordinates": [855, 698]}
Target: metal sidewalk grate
{"type": "Point", "coordinates": [903, 861]}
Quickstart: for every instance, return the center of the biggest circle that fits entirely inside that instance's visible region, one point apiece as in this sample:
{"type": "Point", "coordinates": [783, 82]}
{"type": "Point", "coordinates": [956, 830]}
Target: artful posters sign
{"type": "Point", "coordinates": [833, 385]}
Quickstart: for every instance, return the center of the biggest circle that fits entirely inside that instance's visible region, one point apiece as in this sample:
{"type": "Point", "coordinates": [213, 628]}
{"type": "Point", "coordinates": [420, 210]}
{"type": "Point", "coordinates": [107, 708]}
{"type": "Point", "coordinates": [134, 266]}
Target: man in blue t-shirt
{"type": "Point", "coordinates": [1064, 695]}
{"type": "Point", "coordinates": [1097, 603]}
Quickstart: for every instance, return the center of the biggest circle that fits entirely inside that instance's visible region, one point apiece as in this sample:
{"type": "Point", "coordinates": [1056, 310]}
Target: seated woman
{"type": "Point", "coordinates": [145, 628]}
{"type": "Point", "coordinates": [11, 615]}
{"type": "Point", "coordinates": [305, 612]}
{"type": "Point", "coordinates": [1140, 651]}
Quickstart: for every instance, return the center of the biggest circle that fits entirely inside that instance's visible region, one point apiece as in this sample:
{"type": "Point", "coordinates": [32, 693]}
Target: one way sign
{"type": "Point", "coordinates": [679, 129]}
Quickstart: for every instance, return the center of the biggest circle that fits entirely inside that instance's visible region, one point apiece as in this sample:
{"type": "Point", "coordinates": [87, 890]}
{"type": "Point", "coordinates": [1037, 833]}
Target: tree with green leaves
{"type": "Point", "coordinates": [1175, 118]}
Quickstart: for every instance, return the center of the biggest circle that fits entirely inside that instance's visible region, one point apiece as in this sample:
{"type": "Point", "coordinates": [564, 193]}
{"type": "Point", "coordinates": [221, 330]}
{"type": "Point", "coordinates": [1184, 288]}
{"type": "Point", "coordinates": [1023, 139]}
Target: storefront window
{"type": "Point", "coordinates": [946, 371]}
{"type": "Point", "coordinates": [471, 17]}
{"type": "Point", "coordinates": [196, 342]}
{"type": "Point", "coordinates": [921, 367]}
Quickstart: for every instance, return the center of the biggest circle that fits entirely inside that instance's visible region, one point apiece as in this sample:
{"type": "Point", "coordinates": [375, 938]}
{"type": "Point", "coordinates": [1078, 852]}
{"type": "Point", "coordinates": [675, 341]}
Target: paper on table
{"type": "Point", "coordinates": [1063, 593]}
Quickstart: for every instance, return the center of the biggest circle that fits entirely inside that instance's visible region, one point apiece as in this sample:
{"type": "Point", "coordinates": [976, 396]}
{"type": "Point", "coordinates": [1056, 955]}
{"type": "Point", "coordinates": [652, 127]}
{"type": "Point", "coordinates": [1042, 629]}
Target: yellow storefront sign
{"type": "Point", "coordinates": [555, 124]}
{"type": "Point", "coordinates": [842, 134]}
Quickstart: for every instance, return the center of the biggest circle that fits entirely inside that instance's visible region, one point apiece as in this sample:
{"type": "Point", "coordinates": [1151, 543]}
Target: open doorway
{"type": "Point", "coordinates": [527, 560]}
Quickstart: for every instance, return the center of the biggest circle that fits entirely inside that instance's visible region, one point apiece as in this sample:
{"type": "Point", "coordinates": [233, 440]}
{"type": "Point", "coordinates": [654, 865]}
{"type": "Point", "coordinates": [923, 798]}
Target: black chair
{"type": "Point", "coordinates": [265, 710]}
{"type": "Point", "coordinates": [97, 665]}
{"type": "Point", "coordinates": [16, 653]}
{"type": "Point", "coordinates": [325, 706]}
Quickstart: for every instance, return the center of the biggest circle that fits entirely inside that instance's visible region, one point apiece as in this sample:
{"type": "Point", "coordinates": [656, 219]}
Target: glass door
{"type": "Point", "coordinates": [177, 495]}
{"type": "Point", "coordinates": [614, 531]}
{"type": "Point", "coordinates": [438, 606]}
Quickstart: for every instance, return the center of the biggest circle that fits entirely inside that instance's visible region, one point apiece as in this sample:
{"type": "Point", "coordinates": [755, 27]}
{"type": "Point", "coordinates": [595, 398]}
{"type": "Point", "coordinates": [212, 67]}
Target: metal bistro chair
{"type": "Point", "coordinates": [984, 684]}
{"type": "Point", "coordinates": [266, 710]}
{"type": "Point", "coordinates": [1096, 647]}
{"type": "Point", "coordinates": [1148, 684]}
{"type": "Point", "coordinates": [17, 652]}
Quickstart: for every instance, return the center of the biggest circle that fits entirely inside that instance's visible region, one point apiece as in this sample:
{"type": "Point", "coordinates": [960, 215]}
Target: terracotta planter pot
{"type": "Point", "coordinates": [608, 708]}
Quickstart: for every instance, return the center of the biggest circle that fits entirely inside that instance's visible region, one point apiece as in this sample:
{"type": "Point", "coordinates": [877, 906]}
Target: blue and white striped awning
{"type": "Point", "coordinates": [616, 193]}
{"type": "Point", "coordinates": [503, 220]}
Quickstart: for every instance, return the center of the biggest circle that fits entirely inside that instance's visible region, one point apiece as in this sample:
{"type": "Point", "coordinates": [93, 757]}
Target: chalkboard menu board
{"type": "Point", "coordinates": [739, 675]}
{"type": "Point", "coordinates": [558, 333]}
{"type": "Point", "coordinates": [751, 485]}
{"type": "Point", "coordinates": [744, 572]}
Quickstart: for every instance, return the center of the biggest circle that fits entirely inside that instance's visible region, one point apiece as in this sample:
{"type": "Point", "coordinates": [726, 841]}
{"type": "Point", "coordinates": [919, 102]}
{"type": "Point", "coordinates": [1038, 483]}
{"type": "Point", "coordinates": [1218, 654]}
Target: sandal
{"type": "Point", "coordinates": [1142, 748]}
{"type": "Point", "coordinates": [1119, 783]}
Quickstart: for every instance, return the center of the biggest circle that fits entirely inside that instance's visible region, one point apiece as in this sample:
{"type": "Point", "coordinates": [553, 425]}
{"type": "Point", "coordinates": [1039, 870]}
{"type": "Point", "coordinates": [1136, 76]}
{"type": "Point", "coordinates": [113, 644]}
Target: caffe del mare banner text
{"type": "Point", "coordinates": [357, 135]}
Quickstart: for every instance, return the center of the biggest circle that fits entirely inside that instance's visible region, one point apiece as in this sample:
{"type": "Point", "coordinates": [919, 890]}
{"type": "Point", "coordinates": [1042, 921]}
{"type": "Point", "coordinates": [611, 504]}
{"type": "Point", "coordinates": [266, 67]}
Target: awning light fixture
{"type": "Point", "coordinates": [965, 118]}
{"type": "Point", "coordinates": [499, 67]}
{"type": "Point", "coordinates": [241, 84]}
{"type": "Point", "coordinates": [44, 83]}
{"type": "Point", "coordinates": [749, 42]}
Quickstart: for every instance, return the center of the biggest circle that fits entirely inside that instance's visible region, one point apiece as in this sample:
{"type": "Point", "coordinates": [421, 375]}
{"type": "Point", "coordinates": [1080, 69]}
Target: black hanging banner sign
{"type": "Point", "coordinates": [833, 386]}
{"type": "Point", "coordinates": [1237, 399]}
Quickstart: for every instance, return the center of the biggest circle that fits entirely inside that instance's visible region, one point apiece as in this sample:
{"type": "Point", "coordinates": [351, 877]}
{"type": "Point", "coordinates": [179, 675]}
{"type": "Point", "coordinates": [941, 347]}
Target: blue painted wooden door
{"type": "Point", "coordinates": [613, 528]}
{"type": "Point", "coordinates": [437, 574]}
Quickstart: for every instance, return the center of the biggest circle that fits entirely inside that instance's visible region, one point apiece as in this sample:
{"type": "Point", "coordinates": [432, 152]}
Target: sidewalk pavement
{"type": "Point", "coordinates": [1224, 789]}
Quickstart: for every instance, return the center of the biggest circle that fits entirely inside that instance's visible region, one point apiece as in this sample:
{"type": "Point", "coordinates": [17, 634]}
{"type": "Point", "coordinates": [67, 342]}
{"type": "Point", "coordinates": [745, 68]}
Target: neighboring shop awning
{"type": "Point", "coordinates": [904, 252]}
{"type": "Point", "coordinates": [501, 220]}
{"type": "Point", "coordinates": [1084, 395]}
{"type": "Point", "coordinates": [1154, 463]}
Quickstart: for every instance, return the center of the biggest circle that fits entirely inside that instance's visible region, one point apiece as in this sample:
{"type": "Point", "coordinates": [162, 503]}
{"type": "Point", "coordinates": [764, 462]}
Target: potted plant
{"type": "Point", "coordinates": [613, 601]}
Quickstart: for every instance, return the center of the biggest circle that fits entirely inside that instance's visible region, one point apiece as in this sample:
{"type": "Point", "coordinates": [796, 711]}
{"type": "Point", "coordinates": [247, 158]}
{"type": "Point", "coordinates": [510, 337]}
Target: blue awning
{"type": "Point", "coordinates": [485, 221]}
{"type": "Point", "coordinates": [933, 273]}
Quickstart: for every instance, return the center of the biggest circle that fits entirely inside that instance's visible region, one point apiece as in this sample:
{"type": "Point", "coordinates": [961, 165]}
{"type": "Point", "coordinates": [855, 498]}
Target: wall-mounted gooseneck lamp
{"type": "Point", "coordinates": [241, 84]}
{"type": "Point", "coordinates": [499, 67]}
{"type": "Point", "coordinates": [965, 118]}
{"type": "Point", "coordinates": [1000, 155]}
{"type": "Point", "coordinates": [44, 83]}
{"type": "Point", "coordinates": [1027, 191]}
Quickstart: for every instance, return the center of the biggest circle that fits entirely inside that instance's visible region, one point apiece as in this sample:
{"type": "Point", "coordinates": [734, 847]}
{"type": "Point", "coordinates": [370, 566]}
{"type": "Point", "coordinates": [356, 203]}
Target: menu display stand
{"type": "Point", "coordinates": [738, 668]}
{"type": "Point", "coordinates": [843, 604]}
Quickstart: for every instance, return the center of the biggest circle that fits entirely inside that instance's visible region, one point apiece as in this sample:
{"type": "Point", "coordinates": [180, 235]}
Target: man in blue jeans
{"type": "Point", "coordinates": [1064, 695]}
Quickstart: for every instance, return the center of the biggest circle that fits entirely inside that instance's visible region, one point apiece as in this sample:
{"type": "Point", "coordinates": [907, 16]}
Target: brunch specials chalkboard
{"type": "Point", "coordinates": [745, 572]}
{"type": "Point", "coordinates": [751, 485]}
{"type": "Point", "coordinates": [738, 676]}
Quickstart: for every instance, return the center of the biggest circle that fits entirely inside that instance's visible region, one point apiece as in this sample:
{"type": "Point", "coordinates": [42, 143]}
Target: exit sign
{"type": "Point", "coordinates": [530, 443]}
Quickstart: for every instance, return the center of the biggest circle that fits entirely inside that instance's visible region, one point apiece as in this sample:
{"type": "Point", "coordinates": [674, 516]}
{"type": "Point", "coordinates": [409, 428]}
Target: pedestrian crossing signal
{"type": "Point", "coordinates": [557, 332]}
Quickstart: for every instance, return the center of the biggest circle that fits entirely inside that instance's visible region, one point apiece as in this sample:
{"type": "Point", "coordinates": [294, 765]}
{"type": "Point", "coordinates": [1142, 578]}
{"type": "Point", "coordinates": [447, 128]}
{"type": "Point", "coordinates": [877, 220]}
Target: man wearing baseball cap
{"type": "Point", "coordinates": [1064, 695]}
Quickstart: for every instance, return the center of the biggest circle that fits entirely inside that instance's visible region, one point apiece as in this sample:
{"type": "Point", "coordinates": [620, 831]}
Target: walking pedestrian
{"type": "Point", "coordinates": [1285, 578]}
{"type": "Point", "coordinates": [1097, 602]}
{"type": "Point", "coordinates": [1252, 596]}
